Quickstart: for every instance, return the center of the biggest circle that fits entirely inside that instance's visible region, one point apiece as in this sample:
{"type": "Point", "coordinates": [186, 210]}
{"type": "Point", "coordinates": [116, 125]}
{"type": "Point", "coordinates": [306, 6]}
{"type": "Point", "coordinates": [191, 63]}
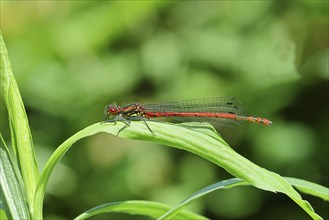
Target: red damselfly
{"type": "Point", "coordinates": [225, 111]}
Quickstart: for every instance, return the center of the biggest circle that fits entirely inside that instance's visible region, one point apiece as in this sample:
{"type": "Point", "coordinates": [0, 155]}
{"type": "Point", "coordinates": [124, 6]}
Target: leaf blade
{"type": "Point", "coordinates": [310, 188]}
{"type": "Point", "coordinates": [320, 191]}
{"type": "Point", "coordinates": [151, 209]}
{"type": "Point", "coordinates": [11, 193]}
{"type": "Point", "coordinates": [205, 144]}
{"type": "Point", "coordinates": [220, 185]}
{"type": "Point", "coordinates": [20, 131]}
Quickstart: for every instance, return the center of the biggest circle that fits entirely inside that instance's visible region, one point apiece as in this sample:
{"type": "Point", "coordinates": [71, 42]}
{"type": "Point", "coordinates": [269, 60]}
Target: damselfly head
{"type": "Point", "coordinates": [111, 109]}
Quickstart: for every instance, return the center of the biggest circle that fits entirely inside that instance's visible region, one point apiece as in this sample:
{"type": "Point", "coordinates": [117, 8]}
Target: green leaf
{"type": "Point", "coordinates": [20, 131]}
{"type": "Point", "coordinates": [151, 209]}
{"type": "Point", "coordinates": [230, 183]}
{"type": "Point", "coordinates": [11, 193]}
{"type": "Point", "coordinates": [310, 188]}
{"type": "Point", "coordinates": [201, 141]}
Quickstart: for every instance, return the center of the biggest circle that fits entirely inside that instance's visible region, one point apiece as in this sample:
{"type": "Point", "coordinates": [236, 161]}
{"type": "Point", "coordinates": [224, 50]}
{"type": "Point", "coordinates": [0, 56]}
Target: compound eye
{"type": "Point", "coordinates": [112, 109]}
{"type": "Point", "coordinates": [109, 109]}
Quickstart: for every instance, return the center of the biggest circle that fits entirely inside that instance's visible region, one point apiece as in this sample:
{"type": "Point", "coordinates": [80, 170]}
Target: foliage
{"type": "Point", "coordinates": [70, 59]}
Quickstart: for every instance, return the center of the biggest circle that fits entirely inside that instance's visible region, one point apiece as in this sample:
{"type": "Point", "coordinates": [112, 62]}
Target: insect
{"type": "Point", "coordinates": [221, 111]}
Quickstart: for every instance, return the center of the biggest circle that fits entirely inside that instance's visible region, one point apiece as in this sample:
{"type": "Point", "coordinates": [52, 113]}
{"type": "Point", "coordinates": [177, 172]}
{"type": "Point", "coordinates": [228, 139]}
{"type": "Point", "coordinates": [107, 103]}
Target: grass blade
{"type": "Point", "coordinates": [147, 208]}
{"type": "Point", "coordinates": [311, 188]}
{"type": "Point", "coordinates": [206, 144]}
{"type": "Point", "coordinates": [11, 194]}
{"type": "Point", "coordinates": [220, 185]}
{"type": "Point", "coordinates": [20, 131]}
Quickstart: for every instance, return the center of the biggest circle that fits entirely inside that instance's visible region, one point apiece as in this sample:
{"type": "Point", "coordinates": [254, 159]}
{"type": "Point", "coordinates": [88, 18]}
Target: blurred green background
{"type": "Point", "coordinates": [71, 58]}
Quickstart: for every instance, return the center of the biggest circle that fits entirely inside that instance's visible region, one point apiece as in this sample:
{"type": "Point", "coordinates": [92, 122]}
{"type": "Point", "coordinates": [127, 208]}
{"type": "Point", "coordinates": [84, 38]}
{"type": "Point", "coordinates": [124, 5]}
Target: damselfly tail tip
{"type": "Point", "coordinates": [265, 121]}
{"type": "Point", "coordinates": [258, 120]}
